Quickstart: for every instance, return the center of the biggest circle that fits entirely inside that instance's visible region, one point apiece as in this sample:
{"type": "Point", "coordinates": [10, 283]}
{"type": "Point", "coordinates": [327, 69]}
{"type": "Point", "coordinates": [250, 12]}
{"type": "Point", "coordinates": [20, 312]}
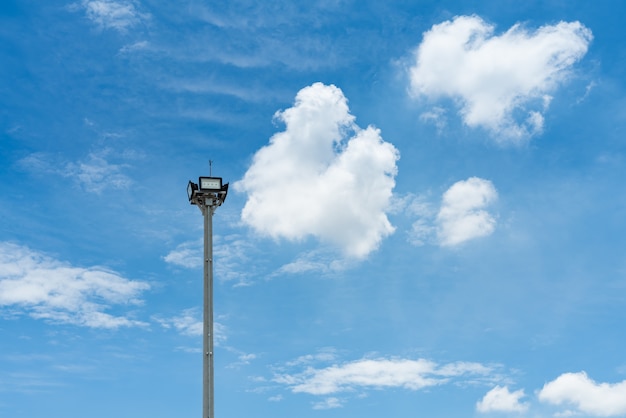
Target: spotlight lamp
{"type": "Point", "coordinates": [210, 184]}
{"type": "Point", "coordinates": [208, 191]}
{"type": "Point", "coordinates": [192, 188]}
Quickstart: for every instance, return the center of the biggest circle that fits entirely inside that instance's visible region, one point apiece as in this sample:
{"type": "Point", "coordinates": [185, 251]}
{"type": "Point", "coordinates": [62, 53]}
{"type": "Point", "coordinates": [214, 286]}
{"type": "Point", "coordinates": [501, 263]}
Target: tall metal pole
{"type": "Point", "coordinates": [207, 344]}
{"type": "Point", "coordinates": [207, 195]}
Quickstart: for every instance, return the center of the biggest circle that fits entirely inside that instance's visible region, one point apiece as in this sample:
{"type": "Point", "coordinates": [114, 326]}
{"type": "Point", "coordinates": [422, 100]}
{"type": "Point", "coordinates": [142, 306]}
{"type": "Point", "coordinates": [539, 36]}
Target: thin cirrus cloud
{"type": "Point", "coordinates": [230, 253]}
{"type": "Point", "coordinates": [586, 395]}
{"type": "Point", "coordinates": [188, 255]}
{"type": "Point", "coordinates": [110, 14]}
{"type": "Point", "coordinates": [500, 399]}
{"type": "Point", "coordinates": [189, 323]}
{"type": "Point", "coordinates": [93, 174]}
{"type": "Point", "coordinates": [323, 176]}
{"type": "Point", "coordinates": [328, 403]}
{"type": "Point", "coordinates": [496, 78]}
{"type": "Point", "coordinates": [44, 288]}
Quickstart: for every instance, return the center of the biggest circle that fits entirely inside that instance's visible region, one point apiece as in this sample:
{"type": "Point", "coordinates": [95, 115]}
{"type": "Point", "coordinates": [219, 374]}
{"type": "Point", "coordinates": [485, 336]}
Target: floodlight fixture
{"type": "Point", "coordinates": [208, 192]}
{"type": "Point", "coordinates": [192, 188]}
{"type": "Point", "coordinates": [224, 192]}
{"type": "Point", "coordinates": [210, 184]}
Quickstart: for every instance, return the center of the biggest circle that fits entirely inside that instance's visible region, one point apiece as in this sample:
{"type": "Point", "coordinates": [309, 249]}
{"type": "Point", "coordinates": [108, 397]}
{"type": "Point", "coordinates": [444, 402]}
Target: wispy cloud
{"type": "Point", "coordinates": [249, 40]}
{"type": "Point", "coordinates": [324, 355]}
{"type": "Point", "coordinates": [113, 14]}
{"type": "Point", "coordinates": [189, 323]}
{"type": "Point", "coordinates": [29, 383]}
{"type": "Point", "coordinates": [436, 116]}
{"type": "Point", "coordinates": [243, 359]}
{"type": "Point", "coordinates": [187, 255]}
{"type": "Point", "coordinates": [500, 399]}
{"type": "Point", "coordinates": [328, 403]}
{"type": "Point", "coordinates": [212, 86]}
{"type": "Point", "coordinates": [323, 177]}
{"type": "Point", "coordinates": [93, 174]}
{"type": "Point", "coordinates": [230, 253]}
{"type": "Point", "coordinates": [323, 261]}
{"type": "Point", "coordinates": [495, 78]}
{"type": "Point", "coordinates": [44, 288]}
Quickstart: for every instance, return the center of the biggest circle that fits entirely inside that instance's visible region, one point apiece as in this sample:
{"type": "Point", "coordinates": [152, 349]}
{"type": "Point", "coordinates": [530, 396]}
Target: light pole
{"type": "Point", "coordinates": [207, 194]}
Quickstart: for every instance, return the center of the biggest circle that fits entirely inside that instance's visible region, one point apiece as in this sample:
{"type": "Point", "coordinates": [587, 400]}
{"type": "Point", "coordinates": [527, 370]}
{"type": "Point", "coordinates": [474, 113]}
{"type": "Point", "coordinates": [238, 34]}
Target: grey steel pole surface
{"type": "Point", "coordinates": [207, 195]}
{"type": "Point", "coordinates": [207, 398]}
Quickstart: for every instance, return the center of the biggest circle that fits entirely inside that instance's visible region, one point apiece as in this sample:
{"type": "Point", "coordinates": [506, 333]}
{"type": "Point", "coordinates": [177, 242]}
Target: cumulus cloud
{"type": "Point", "coordinates": [379, 373]}
{"type": "Point", "coordinates": [499, 399]}
{"type": "Point", "coordinates": [110, 14]}
{"type": "Point", "coordinates": [323, 176]}
{"type": "Point", "coordinates": [45, 288]}
{"type": "Point", "coordinates": [502, 83]}
{"type": "Point", "coordinates": [462, 215]}
{"type": "Point", "coordinates": [586, 395]}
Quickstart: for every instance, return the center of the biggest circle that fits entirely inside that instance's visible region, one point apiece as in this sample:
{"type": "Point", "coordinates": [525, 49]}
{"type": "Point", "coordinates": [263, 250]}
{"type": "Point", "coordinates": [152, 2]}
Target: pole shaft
{"type": "Point", "coordinates": [207, 344]}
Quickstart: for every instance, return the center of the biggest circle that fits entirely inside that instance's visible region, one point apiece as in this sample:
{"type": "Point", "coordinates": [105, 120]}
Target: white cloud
{"type": "Point", "coordinates": [246, 358]}
{"type": "Point", "coordinates": [303, 264]}
{"type": "Point", "coordinates": [325, 355]}
{"type": "Point", "coordinates": [462, 216]}
{"type": "Point", "coordinates": [110, 14]}
{"type": "Point", "coordinates": [328, 403]}
{"type": "Point", "coordinates": [322, 261]}
{"type": "Point", "coordinates": [137, 46]}
{"type": "Point", "coordinates": [45, 288]}
{"type": "Point", "coordinates": [190, 323]}
{"type": "Point", "coordinates": [232, 254]}
{"type": "Point", "coordinates": [188, 254]}
{"type": "Point", "coordinates": [96, 174]}
{"type": "Point", "coordinates": [379, 373]}
{"type": "Point", "coordinates": [422, 230]}
{"type": "Point", "coordinates": [323, 176]}
{"type": "Point", "coordinates": [436, 116]}
{"type": "Point", "coordinates": [588, 396]}
{"type": "Point", "coordinates": [499, 399]}
{"type": "Point", "coordinates": [93, 174]}
{"type": "Point", "coordinates": [229, 252]}
{"type": "Point", "coordinates": [496, 78]}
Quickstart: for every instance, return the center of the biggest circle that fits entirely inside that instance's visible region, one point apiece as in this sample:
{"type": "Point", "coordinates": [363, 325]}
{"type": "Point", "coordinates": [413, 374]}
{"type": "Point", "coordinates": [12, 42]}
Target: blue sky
{"type": "Point", "coordinates": [426, 213]}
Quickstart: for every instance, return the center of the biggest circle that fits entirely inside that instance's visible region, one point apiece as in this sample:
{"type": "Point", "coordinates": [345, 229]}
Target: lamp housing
{"type": "Point", "coordinates": [210, 184]}
{"type": "Point", "coordinates": [192, 188]}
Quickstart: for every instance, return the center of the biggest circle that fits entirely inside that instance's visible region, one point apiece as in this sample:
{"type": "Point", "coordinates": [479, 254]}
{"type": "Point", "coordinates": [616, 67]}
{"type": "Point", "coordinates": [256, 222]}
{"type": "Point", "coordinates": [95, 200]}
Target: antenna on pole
{"type": "Point", "coordinates": [210, 167]}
